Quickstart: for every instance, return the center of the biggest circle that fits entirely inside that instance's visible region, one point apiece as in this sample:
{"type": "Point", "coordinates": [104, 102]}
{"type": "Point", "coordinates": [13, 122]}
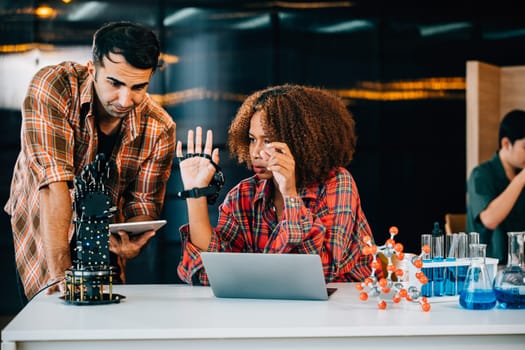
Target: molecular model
{"type": "Point", "coordinates": [381, 287]}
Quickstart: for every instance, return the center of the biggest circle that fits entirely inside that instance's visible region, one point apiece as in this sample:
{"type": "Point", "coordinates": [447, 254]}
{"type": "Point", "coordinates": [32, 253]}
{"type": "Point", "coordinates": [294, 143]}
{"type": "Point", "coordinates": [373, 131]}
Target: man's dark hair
{"type": "Point", "coordinates": [512, 126]}
{"type": "Point", "coordinates": [138, 44]}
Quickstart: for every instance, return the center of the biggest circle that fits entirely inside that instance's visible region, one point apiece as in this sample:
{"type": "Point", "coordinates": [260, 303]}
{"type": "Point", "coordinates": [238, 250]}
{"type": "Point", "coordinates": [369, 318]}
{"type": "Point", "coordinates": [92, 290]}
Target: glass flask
{"type": "Point", "coordinates": [509, 284]}
{"type": "Point", "coordinates": [477, 293]}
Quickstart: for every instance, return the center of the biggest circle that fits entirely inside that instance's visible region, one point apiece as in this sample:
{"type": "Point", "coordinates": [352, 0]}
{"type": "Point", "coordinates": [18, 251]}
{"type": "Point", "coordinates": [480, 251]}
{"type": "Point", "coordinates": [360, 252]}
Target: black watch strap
{"type": "Point", "coordinates": [197, 192]}
{"type": "Point", "coordinates": [211, 191]}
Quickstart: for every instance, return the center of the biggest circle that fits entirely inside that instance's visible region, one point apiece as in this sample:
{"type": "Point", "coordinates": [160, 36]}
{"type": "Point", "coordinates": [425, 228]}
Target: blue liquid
{"type": "Point", "coordinates": [438, 279]}
{"type": "Point", "coordinates": [478, 299]}
{"type": "Point", "coordinates": [426, 289]}
{"type": "Point", "coordinates": [462, 274]}
{"type": "Point", "coordinates": [450, 283]}
{"type": "Point", "coordinates": [510, 298]}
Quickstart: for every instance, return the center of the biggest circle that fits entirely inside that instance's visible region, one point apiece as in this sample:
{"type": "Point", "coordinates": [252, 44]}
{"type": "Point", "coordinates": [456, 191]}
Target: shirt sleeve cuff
{"type": "Point", "coordinates": [293, 202]}
{"type": "Point", "coordinates": [55, 174]}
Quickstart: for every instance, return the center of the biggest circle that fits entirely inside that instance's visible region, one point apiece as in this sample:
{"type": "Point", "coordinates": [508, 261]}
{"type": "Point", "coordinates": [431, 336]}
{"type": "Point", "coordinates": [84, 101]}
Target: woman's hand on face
{"type": "Point", "coordinates": [197, 171]}
{"type": "Point", "coordinates": [282, 164]}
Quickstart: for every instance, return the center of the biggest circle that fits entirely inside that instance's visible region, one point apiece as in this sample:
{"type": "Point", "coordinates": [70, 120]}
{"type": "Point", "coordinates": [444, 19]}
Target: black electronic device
{"type": "Point", "coordinates": [90, 279]}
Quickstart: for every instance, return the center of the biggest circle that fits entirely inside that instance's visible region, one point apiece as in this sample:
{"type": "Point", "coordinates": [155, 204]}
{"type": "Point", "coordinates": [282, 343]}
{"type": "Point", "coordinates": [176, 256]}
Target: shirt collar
{"type": "Point", "coordinates": [264, 189]}
{"type": "Point", "coordinates": [86, 97]}
{"type": "Point", "coordinates": [500, 171]}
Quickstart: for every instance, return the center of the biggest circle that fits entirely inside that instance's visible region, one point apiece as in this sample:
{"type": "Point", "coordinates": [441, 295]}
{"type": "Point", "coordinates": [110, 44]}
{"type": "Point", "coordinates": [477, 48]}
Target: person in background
{"type": "Point", "coordinates": [301, 199]}
{"type": "Point", "coordinates": [71, 113]}
{"type": "Point", "coordinates": [496, 199]}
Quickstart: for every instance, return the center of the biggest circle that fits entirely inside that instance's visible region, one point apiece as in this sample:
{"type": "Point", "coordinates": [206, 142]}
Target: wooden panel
{"type": "Point", "coordinates": [512, 89]}
{"type": "Point", "coordinates": [483, 112]}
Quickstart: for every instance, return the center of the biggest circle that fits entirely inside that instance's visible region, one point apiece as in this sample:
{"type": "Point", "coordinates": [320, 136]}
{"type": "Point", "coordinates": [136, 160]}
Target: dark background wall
{"type": "Point", "coordinates": [400, 65]}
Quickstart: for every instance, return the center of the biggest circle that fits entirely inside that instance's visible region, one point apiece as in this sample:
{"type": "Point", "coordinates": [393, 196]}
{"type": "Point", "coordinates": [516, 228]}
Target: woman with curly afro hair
{"type": "Point", "coordinates": [301, 199]}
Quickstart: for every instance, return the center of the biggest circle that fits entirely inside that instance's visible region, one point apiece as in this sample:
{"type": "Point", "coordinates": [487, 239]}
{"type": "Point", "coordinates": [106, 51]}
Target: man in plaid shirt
{"type": "Point", "coordinates": [70, 114]}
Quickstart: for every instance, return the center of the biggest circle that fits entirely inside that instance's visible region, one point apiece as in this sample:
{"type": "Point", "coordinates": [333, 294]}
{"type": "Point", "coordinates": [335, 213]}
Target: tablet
{"type": "Point", "coordinates": [136, 228]}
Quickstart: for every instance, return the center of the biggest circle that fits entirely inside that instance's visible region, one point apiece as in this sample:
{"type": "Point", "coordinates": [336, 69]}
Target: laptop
{"type": "Point", "coordinates": [266, 276]}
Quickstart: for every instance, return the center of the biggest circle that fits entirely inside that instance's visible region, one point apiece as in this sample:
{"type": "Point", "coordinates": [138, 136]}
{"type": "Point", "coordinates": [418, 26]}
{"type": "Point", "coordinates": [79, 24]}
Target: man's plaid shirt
{"type": "Point", "coordinates": [59, 138]}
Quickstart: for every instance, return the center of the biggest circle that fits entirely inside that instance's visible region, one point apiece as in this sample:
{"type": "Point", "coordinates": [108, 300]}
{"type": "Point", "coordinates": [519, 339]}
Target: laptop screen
{"type": "Point", "coordinates": [266, 276]}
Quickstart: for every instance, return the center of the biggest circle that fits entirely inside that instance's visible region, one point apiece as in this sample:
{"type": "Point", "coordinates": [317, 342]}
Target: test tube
{"type": "Point", "coordinates": [462, 254]}
{"type": "Point", "coordinates": [473, 238]}
{"type": "Point", "coordinates": [463, 245]}
{"type": "Point", "coordinates": [451, 271]}
{"type": "Point", "coordinates": [426, 289]}
{"type": "Point", "coordinates": [438, 273]}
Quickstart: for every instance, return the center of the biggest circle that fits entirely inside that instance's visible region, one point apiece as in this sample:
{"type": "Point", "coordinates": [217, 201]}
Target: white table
{"type": "Point", "coordinates": [185, 317]}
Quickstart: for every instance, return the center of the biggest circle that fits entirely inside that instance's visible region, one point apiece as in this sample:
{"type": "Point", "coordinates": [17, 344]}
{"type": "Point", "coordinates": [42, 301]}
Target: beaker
{"type": "Point", "coordinates": [509, 284]}
{"type": "Point", "coordinates": [477, 293]}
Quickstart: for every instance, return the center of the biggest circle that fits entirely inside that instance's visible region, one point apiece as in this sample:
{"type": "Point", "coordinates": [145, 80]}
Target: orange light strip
{"type": "Point", "coordinates": [452, 83]}
{"type": "Point", "coordinates": [431, 88]}
{"type": "Point", "coordinates": [303, 5]}
{"type": "Point", "coordinates": [17, 48]}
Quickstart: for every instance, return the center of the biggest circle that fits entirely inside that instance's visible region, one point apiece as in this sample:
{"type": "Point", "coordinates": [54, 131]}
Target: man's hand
{"type": "Point", "coordinates": [128, 247]}
{"type": "Point", "coordinates": [55, 222]}
{"type": "Point", "coordinates": [521, 177]}
{"type": "Point", "coordinates": [61, 263]}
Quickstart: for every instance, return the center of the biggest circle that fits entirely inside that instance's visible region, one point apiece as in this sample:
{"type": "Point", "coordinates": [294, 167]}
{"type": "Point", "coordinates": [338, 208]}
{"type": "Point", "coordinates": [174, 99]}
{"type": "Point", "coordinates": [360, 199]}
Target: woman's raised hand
{"type": "Point", "coordinates": [195, 167]}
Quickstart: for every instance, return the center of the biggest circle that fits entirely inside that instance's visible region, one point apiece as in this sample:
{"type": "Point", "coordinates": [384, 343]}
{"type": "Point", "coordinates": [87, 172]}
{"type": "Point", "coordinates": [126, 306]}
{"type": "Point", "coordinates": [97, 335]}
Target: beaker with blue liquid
{"type": "Point", "coordinates": [509, 284]}
{"type": "Point", "coordinates": [477, 293]}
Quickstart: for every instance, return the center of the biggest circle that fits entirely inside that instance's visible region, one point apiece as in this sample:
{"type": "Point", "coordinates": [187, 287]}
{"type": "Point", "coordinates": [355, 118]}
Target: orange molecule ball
{"type": "Point", "coordinates": [398, 247]}
{"type": "Point", "coordinates": [425, 249]}
{"type": "Point", "coordinates": [393, 230]}
{"type": "Point", "coordinates": [359, 286]}
{"type": "Point", "coordinates": [375, 265]}
{"type": "Point", "coordinates": [390, 267]}
{"type": "Point", "coordinates": [373, 249]}
{"type": "Point", "coordinates": [366, 239]}
{"type": "Point", "coordinates": [396, 299]}
{"type": "Point", "coordinates": [423, 279]}
{"type": "Point", "coordinates": [399, 273]}
{"type": "Point", "coordinates": [386, 290]}
{"type": "Point", "coordinates": [381, 305]}
{"type": "Point", "coordinates": [400, 256]}
{"type": "Point", "coordinates": [403, 293]}
{"type": "Point", "coordinates": [363, 296]}
{"type": "Point", "coordinates": [383, 282]}
{"type": "Point", "coordinates": [418, 263]}
{"type": "Point", "coordinates": [425, 307]}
